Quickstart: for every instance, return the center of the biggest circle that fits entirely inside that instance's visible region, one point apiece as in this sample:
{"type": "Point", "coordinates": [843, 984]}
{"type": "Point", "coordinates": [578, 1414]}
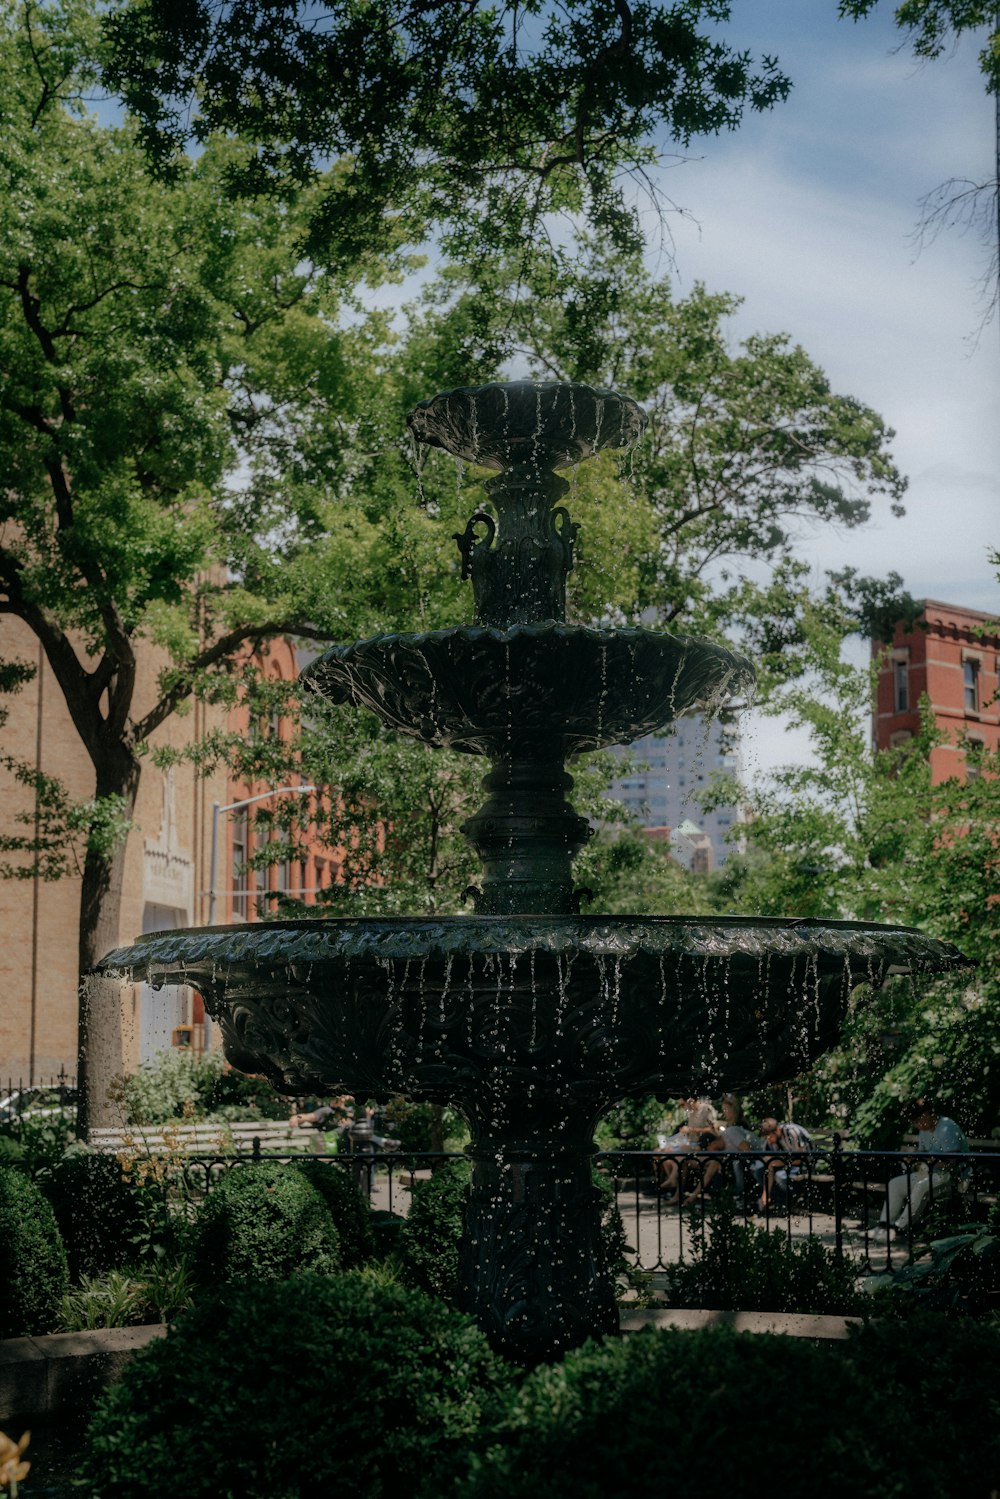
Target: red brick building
{"type": "Point", "coordinates": [242, 894]}
{"type": "Point", "coordinates": [951, 655]}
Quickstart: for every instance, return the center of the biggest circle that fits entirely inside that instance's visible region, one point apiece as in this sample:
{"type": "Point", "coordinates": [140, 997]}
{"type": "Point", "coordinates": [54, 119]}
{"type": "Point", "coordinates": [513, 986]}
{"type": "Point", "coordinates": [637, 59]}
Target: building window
{"type": "Point", "coordinates": [901, 686]}
{"type": "Point", "coordinates": [970, 676]}
{"type": "Point", "coordinates": [974, 747]}
{"type": "Point", "coordinates": [240, 828]}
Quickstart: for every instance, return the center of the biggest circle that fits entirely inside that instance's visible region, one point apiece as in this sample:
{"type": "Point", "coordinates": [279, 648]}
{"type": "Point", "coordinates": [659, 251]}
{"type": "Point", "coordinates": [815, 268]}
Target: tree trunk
{"type": "Point", "coordinates": [99, 1035]}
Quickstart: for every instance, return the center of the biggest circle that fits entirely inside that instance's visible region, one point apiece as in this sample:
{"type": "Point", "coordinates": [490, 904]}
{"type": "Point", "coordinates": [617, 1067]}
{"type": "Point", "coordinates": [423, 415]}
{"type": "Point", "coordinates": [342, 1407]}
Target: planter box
{"type": "Point", "coordinates": [65, 1370]}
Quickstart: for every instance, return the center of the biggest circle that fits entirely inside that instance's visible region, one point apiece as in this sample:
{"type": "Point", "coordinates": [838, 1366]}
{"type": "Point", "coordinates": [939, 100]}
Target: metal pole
{"type": "Point", "coordinates": [212, 862]}
{"type": "Point", "coordinates": [248, 801]}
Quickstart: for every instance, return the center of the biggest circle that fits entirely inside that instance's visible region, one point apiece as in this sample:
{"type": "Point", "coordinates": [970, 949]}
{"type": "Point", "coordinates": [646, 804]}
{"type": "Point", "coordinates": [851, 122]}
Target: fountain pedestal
{"type": "Point", "coordinates": [534, 1265]}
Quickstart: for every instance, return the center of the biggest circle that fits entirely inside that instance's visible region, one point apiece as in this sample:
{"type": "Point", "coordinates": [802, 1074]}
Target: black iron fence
{"type": "Point", "coordinates": [874, 1207]}
{"type": "Point", "coordinates": [20, 1097]}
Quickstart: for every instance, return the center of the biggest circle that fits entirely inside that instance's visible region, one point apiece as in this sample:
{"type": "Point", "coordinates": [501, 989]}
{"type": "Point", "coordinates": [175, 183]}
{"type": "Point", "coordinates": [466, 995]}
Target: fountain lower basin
{"type": "Point", "coordinates": [533, 1026]}
{"type": "Point", "coordinates": [599, 1007]}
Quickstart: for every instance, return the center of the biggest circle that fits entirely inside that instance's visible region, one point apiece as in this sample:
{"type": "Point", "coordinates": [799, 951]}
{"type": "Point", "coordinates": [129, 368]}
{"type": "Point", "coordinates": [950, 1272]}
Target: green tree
{"type": "Point", "coordinates": [866, 834]}
{"type": "Point", "coordinates": [479, 121]}
{"type": "Point", "coordinates": [153, 338]}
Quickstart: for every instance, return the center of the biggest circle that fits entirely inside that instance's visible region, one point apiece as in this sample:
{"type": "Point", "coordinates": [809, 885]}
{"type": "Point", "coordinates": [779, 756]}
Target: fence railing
{"type": "Point", "coordinates": [18, 1096]}
{"type": "Point", "coordinates": [846, 1199]}
{"type": "Point", "coordinates": [873, 1206]}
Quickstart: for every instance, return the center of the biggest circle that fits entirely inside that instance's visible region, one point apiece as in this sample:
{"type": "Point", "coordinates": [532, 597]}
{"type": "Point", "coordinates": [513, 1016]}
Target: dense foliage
{"type": "Point", "coordinates": [179, 1084]}
{"type": "Point", "coordinates": [99, 1213]}
{"type": "Point", "coordinates": [263, 1222]}
{"type": "Point", "coordinates": [33, 1271]}
{"type": "Point", "coordinates": [868, 834]}
{"type": "Point", "coordinates": [959, 1272]}
{"type": "Point", "coordinates": [481, 120]}
{"type": "Point", "coordinates": [618, 1420]}
{"type": "Point", "coordinates": [736, 1265]}
{"type": "Point", "coordinates": [428, 1241]}
{"type": "Point", "coordinates": [347, 1207]}
{"type": "Point", "coordinates": [287, 1390]}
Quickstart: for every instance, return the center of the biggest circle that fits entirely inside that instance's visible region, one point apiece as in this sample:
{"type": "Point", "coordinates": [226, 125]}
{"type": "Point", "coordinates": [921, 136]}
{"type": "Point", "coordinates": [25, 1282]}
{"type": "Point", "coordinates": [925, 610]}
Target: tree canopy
{"type": "Point", "coordinates": [476, 120]}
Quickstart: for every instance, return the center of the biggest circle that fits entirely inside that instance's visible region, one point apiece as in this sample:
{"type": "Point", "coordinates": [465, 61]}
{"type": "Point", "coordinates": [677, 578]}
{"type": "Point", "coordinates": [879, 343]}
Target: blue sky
{"type": "Point", "coordinates": [809, 213]}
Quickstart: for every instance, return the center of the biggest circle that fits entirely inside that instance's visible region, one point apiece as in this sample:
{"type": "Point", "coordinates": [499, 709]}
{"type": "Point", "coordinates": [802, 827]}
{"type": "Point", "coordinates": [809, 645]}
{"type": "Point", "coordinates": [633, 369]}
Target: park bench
{"type": "Point", "coordinates": [272, 1136]}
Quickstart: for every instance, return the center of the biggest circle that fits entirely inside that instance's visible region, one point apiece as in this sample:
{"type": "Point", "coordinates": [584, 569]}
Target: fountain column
{"type": "Point", "coordinates": [534, 1268]}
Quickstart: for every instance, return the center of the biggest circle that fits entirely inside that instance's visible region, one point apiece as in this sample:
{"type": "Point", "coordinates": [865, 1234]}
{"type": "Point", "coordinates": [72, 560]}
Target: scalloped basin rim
{"type": "Point", "coordinates": [414, 937]}
{"type": "Point", "coordinates": [538, 630]}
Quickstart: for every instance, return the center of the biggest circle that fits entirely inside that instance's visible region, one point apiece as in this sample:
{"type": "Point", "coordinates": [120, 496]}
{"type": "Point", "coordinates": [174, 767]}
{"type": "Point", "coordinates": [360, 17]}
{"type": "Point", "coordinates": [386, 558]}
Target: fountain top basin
{"type": "Point", "coordinates": [545, 424]}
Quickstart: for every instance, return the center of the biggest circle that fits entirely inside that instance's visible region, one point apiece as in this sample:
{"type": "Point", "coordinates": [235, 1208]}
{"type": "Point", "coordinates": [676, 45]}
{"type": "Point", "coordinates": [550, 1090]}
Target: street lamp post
{"type": "Point", "coordinates": [247, 801]}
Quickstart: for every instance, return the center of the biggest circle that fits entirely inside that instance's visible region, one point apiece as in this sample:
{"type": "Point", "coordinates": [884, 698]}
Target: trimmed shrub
{"type": "Point", "coordinates": [740, 1265]}
{"type": "Point", "coordinates": [100, 1214]}
{"type": "Point", "coordinates": [263, 1221]}
{"type": "Point", "coordinates": [288, 1390]}
{"type": "Point", "coordinates": [727, 1414]}
{"type": "Point", "coordinates": [34, 1275]}
{"type": "Point", "coordinates": [348, 1209]}
{"type": "Point", "coordinates": [429, 1239]}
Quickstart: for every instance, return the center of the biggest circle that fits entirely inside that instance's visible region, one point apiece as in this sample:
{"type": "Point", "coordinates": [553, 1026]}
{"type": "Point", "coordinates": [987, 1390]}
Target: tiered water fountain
{"type": "Point", "coordinates": [533, 1019]}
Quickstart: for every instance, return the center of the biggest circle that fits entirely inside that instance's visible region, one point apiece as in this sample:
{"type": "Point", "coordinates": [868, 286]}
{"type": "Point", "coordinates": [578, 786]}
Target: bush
{"type": "Point", "coordinates": [292, 1389]}
{"type": "Point", "coordinates": [348, 1209]}
{"type": "Point", "coordinates": [740, 1265]}
{"type": "Point", "coordinates": [429, 1239]}
{"type": "Point", "coordinates": [733, 1414]}
{"type": "Point", "coordinates": [34, 1275]}
{"type": "Point", "coordinates": [957, 1272]}
{"type": "Point", "coordinates": [263, 1221]}
{"type": "Point", "coordinates": [100, 1214]}
{"type": "Point", "coordinates": [176, 1084]}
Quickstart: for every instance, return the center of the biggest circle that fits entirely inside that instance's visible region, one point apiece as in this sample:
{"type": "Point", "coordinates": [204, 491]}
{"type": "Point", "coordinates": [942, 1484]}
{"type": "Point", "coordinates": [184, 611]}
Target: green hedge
{"type": "Point", "coordinates": [99, 1213]}
{"type": "Point", "coordinates": [263, 1221]}
{"type": "Point", "coordinates": [297, 1388]}
{"type": "Point", "coordinates": [731, 1264]}
{"type": "Point", "coordinates": [720, 1414]}
{"type": "Point", "coordinates": [429, 1239]}
{"type": "Point", "coordinates": [348, 1208]}
{"type": "Point", "coordinates": [34, 1275]}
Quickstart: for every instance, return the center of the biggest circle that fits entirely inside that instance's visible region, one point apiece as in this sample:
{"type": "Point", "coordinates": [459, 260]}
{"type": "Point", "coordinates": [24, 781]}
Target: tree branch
{"type": "Point", "coordinates": [213, 655]}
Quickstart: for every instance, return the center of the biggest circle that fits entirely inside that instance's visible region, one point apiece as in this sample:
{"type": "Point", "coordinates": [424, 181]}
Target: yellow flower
{"type": "Point", "coordinates": [12, 1469]}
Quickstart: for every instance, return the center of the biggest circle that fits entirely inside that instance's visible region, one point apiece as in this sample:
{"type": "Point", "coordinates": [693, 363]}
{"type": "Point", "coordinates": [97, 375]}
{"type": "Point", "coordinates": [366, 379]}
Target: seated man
{"type": "Point", "coordinates": [930, 1179]}
{"type": "Point", "coordinates": [787, 1146]}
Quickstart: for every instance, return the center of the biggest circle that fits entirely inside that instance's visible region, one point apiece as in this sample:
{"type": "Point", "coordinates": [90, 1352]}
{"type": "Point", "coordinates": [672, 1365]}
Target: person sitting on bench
{"type": "Point", "coordinates": [930, 1179]}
